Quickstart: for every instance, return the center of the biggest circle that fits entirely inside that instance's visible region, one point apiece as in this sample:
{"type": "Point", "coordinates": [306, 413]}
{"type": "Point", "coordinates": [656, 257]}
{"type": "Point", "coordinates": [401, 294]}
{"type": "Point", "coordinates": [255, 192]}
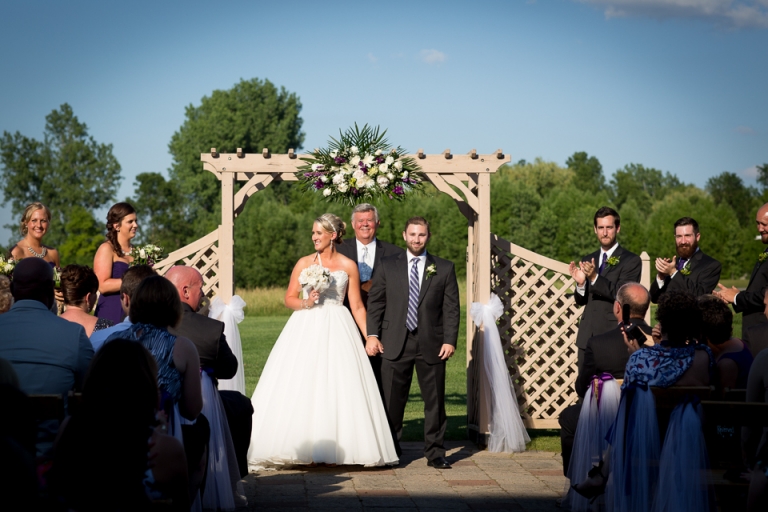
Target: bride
{"type": "Point", "coordinates": [317, 400]}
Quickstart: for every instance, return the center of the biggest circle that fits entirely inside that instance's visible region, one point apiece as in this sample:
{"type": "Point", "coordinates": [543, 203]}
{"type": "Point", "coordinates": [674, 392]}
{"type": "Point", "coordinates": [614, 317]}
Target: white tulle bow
{"type": "Point", "coordinates": [231, 314]}
{"type": "Point", "coordinates": [507, 433]}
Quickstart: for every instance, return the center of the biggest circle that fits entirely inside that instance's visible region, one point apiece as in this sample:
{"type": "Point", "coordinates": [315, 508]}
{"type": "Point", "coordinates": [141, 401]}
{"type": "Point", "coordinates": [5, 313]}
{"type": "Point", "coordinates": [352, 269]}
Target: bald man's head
{"type": "Point", "coordinates": [762, 223]}
{"type": "Point", "coordinates": [636, 296]}
{"type": "Point", "coordinates": [189, 284]}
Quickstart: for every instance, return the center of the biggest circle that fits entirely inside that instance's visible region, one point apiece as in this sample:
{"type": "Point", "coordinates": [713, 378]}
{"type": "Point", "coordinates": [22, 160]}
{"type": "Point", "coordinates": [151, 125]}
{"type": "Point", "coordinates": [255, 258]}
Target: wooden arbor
{"type": "Point", "coordinates": [538, 328]}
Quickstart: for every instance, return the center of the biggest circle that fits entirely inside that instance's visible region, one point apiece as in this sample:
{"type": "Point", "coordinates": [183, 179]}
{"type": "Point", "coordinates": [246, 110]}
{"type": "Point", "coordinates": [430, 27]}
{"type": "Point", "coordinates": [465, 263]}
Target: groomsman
{"type": "Point", "coordinates": [690, 270]}
{"type": "Point", "coordinates": [750, 302]}
{"type": "Point", "coordinates": [365, 248]}
{"type": "Point", "coordinates": [598, 276]}
{"type": "Point", "coordinates": [413, 320]}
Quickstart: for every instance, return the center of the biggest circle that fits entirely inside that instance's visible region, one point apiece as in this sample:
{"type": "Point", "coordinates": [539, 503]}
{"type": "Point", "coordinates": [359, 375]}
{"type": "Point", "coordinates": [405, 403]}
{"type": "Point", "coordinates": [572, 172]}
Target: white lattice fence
{"type": "Point", "coordinates": [203, 254]}
{"type": "Point", "coordinates": [538, 330]}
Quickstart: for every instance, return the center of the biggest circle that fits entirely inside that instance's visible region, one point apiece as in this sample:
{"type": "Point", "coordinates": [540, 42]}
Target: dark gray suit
{"type": "Point", "coordinates": [598, 299]}
{"type": "Point", "coordinates": [750, 302]}
{"type": "Point", "coordinates": [383, 249]}
{"type": "Point", "coordinates": [704, 276]}
{"type": "Point", "coordinates": [438, 324]}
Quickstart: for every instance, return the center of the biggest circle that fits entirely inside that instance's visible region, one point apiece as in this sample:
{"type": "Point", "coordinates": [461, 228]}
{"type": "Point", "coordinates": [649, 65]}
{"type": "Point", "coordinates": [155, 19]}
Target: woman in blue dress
{"type": "Point", "coordinates": [113, 259]}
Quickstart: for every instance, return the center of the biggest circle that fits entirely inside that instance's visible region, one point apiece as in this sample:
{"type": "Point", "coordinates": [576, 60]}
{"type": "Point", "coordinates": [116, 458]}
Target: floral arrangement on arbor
{"type": "Point", "coordinates": [360, 166]}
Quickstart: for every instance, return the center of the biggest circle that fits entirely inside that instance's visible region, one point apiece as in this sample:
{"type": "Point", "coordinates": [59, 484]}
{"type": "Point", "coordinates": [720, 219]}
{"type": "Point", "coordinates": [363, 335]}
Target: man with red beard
{"type": "Point", "coordinates": [690, 270]}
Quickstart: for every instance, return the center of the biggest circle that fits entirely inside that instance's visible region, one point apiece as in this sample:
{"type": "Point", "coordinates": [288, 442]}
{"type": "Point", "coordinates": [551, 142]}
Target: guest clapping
{"type": "Point", "coordinates": [113, 258]}
{"type": "Point", "coordinates": [79, 285]}
{"type": "Point", "coordinates": [33, 226]}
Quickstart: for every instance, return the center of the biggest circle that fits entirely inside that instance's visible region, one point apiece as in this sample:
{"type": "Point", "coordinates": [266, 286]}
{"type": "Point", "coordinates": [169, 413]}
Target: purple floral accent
{"type": "Point", "coordinates": [319, 184]}
{"type": "Point", "coordinates": [340, 160]}
{"type": "Point", "coordinates": [398, 190]}
{"type": "Point", "coordinates": [354, 191]}
{"type": "Point", "coordinates": [380, 160]}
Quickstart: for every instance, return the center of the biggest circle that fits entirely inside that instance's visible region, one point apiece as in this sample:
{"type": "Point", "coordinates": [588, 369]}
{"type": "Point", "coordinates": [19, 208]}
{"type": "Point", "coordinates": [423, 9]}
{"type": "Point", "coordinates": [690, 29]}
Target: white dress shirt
{"type": "Point", "coordinates": [371, 252]}
{"type": "Point", "coordinates": [421, 264]}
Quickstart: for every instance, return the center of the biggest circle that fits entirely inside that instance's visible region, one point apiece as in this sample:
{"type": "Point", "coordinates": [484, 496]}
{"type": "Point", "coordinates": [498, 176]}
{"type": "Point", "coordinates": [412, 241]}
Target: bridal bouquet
{"type": "Point", "coordinates": [6, 266]}
{"type": "Point", "coordinates": [315, 277]}
{"type": "Point", "coordinates": [146, 255]}
{"type": "Point", "coordinates": [360, 166]}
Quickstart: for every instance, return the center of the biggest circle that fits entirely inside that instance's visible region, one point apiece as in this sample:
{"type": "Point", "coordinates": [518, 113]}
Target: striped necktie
{"type": "Point", "coordinates": [411, 321]}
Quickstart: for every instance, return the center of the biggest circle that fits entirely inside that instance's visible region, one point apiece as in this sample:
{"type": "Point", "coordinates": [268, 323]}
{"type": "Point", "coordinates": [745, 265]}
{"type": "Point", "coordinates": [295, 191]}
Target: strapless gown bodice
{"type": "Point", "coordinates": [337, 290]}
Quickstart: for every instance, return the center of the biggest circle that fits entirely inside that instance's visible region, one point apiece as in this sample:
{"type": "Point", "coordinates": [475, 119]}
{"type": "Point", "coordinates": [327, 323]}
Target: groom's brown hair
{"type": "Point", "coordinates": [418, 221]}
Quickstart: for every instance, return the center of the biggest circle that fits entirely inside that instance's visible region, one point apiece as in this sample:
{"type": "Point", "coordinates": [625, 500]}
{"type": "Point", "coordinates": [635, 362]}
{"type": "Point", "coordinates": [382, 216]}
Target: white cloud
{"type": "Point", "coordinates": [723, 13]}
{"type": "Point", "coordinates": [372, 58]}
{"type": "Point", "coordinates": [750, 172]}
{"type": "Point", "coordinates": [432, 56]}
{"type": "Point", "coordinates": [744, 130]}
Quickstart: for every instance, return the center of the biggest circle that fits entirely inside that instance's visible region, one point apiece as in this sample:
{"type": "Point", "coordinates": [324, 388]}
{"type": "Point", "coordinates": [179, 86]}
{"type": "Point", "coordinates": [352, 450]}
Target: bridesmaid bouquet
{"type": "Point", "coordinates": [146, 255]}
{"type": "Point", "coordinates": [6, 266]}
{"type": "Point", "coordinates": [315, 277]}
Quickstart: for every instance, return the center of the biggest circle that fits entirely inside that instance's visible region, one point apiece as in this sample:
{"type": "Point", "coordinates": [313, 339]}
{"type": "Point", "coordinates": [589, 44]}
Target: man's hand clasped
{"type": "Point", "coordinates": [373, 346]}
{"type": "Point", "coordinates": [582, 271]}
{"type": "Point", "coordinates": [666, 267]}
{"type": "Point", "coordinates": [446, 351]}
{"type": "Point", "coordinates": [727, 294]}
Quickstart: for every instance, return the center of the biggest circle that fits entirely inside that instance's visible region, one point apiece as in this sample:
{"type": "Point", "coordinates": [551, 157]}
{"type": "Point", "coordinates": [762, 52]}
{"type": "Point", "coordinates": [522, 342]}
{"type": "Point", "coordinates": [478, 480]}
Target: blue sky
{"type": "Point", "coordinates": [679, 85]}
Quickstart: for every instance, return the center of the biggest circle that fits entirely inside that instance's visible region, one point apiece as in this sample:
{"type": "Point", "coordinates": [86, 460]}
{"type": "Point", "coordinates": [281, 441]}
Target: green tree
{"type": "Point", "coordinates": [588, 171]}
{"type": "Point", "coordinates": [83, 237]}
{"type": "Point", "coordinates": [252, 115]}
{"type": "Point", "coordinates": [67, 169]}
{"type": "Point", "coordinates": [644, 184]}
{"type": "Point", "coordinates": [161, 219]}
{"type": "Point", "coordinates": [762, 176]}
{"type": "Point", "coordinates": [729, 188]}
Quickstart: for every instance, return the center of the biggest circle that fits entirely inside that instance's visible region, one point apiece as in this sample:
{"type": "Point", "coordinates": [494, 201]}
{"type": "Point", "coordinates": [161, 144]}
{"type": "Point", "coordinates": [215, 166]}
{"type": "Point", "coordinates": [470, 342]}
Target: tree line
{"type": "Point", "coordinates": [540, 205]}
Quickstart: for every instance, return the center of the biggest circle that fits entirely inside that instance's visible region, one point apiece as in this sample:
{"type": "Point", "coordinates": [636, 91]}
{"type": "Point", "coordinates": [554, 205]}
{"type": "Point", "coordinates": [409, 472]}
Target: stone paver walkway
{"type": "Point", "coordinates": [479, 480]}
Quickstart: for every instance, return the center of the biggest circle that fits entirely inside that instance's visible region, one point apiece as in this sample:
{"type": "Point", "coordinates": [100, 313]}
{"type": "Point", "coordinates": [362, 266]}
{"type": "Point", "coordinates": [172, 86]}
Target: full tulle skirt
{"type": "Point", "coordinates": [317, 400]}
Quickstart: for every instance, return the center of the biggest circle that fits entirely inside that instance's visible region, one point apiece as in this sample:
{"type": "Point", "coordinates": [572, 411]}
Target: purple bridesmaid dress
{"type": "Point", "coordinates": [109, 306]}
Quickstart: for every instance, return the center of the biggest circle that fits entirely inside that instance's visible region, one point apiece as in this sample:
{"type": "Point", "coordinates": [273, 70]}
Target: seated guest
{"type": "Point", "coordinates": [605, 353]}
{"type": "Point", "coordinates": [758, 334]}
{"type": "Point", "coordinates": [208, 336]}
{"type": "Point", "coordinates": [131, 279]}
{"type": "Point", "coordinates": [113, 454]}
{"type": "Point", "coordinates": [49, 354]}
{"type": "Point", "coordinates": [755, 439]}
{"type": "Point", "coordinates": [78, 287]}
{"type": "Point", "coordinates": [6, 299]}
{"type": "Point", "coordinates": [732, 357]}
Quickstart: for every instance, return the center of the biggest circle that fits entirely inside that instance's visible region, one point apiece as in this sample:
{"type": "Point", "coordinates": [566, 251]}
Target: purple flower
{"type": "Point", "coordinates": [380, 160]}
{"type": "Point", "coordinates": [340, 160]}
{"type": "Point", "coordinates": [398, 190]}
{"type": "Point", "coordinates": [318, 184]}
{"type": "Point", "coordinates": [354, 191]}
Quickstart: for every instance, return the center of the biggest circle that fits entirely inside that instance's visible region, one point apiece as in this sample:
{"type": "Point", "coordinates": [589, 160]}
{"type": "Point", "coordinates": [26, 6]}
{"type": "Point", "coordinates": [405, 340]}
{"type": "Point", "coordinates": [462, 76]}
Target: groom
{"type": "Point", "coordinates": [413, 320]}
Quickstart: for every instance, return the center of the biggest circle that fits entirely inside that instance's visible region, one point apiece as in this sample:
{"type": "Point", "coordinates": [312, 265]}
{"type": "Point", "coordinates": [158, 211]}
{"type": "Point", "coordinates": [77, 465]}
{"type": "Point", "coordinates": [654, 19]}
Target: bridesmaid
{"type": "Point", "coordinates": [112, 260]}
{"type": "Point", "coordinates": [33, 226]}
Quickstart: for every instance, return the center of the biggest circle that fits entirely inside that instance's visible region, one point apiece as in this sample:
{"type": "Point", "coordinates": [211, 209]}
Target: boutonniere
{"type": "Point", "coordinates": [686, 270]}
{"type": "Point", "coordinates": [762, 257]}
{"type": "Point", "coordinates": [431, 270]}
{"type": "Point", "coordinates": [612, 261]}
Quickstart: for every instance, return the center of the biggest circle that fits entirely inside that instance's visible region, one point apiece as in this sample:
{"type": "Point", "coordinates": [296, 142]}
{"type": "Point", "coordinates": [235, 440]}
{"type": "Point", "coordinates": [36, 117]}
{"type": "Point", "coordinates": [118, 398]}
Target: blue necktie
{"type": "Point", "coordinates": [411, 321]}
{"type": "Point", "coordinates": [681, 263]}
{"type": "Point", "coordinates": [602, 264]}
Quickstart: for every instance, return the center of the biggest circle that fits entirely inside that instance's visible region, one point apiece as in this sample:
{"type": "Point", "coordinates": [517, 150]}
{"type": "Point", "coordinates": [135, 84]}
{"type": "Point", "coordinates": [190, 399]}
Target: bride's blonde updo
{"type": "Point", "coordinates": [332, 224]}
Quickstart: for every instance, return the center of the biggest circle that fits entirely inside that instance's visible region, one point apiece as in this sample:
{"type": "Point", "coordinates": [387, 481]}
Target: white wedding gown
{"type": "Point", "coordinates": [317, 400]}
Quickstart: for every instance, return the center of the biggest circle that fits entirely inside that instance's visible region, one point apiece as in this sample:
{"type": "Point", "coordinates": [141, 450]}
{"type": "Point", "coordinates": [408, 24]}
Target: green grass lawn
{"type": "Point", "coordinates": [259, 334]}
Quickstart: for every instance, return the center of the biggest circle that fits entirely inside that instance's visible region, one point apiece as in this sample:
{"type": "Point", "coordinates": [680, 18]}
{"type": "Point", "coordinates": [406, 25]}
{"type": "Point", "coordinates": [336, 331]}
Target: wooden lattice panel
{"type": "Point", "coordinates": [538, 330]}
{"type": "Point", "coordinates": [203, 254]}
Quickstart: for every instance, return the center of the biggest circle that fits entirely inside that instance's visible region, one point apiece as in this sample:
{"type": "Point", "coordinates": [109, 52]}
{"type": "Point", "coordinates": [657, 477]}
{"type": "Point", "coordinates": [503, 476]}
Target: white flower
{"type": "Point", "coordinates": [358, 174]}
{"type": "Point", "coordinates": [398, 165]}
{"type": "Point", "coordinates": [334, 153]}
{"type": "Point", "coordinates": [368, 160]}
{"type": "Point", "coordinates": [383, 181]}
{"type": "Point", "coordinates": [369, 183]}
{"type": "Point", "coordinates": [378, 152]}
{"type": "Point", "coordinates": [343, 187]}
{"type": "Point", "coordinates": [390, 176]}
{"type": "Point", "coordinates": [8, 267]}
{"type": "Point", "coordinates": [383, 168]}
{"type": "Point", "coordinates": [324, 179]}
{"type": "Point", "coordinates": [389, 160]}
{"type": "Point", "coordinates": [405, 174]}
{"type": "Point", "coordinates": [338, 179]}
{"type": "Point", "coordinates": [142, 253]}
{"type": "Point", "coordinates": [353, 149]}
{"type": "Point", "coordinates": [347, 169]}
{"type": "Point", "coordinates": [327, 192]}
{"type": "Point", "coordinates": [317, 167]}
{"type": "Point", "coordinates": [354, 161]}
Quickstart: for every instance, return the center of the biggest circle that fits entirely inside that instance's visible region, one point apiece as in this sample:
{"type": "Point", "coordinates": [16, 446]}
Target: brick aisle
{"type": "Point", "coordinates": [478, 481]}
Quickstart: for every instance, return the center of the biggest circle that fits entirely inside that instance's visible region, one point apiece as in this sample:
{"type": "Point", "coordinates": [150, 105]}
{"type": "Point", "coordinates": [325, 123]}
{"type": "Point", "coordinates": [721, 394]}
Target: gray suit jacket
{"type": "Point", "coordinates": [598, 299]}
{"type": "Point", "coordinates": [438, 313]}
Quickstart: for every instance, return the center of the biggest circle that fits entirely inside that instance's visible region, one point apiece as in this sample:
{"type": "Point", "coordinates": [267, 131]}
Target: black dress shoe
{"type": "Point", "coordinates": [439, 463]}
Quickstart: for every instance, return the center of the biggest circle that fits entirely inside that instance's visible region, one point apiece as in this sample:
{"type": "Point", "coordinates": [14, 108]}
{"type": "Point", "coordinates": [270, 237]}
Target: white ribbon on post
{"type": "Point", "coordinates": [231, 314]}
{"type": "Point", "coordinates": [507, 433]}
